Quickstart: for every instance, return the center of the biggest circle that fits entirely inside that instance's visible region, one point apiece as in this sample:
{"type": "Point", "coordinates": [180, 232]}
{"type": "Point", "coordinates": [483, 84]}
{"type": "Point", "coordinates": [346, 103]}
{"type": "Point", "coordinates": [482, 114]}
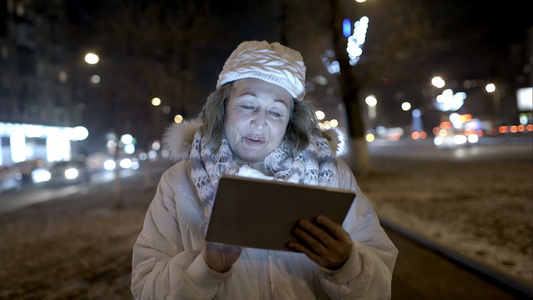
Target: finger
{"type": "Point", "coordinates": [308, 235]}
{"type": "Point", "coordinates": [319, 233]}
{"type": "Point", "coordinates": [335, 229]}
{"type": "Point", "coordinates": [298, 247]}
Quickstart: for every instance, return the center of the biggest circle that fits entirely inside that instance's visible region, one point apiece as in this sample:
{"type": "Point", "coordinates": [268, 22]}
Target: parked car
{"type": "Point", "coordinates": [10, 179]}
{"type": "Point", "coordinates": [99, 161]}
{"type": "Point", "coordinates": [63, 173]}
{"type": "Point", "coordinates": [27, 167]}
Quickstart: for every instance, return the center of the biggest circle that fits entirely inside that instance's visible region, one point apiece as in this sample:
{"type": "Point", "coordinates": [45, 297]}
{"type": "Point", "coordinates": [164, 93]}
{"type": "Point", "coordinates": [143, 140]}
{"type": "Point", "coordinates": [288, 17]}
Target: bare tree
{"type": "Point", "coordinates": [399, 41]}
{"type": "Point", "coordinates": [405, 34]}
{"type": "Point", "coordinates": [144, 48]}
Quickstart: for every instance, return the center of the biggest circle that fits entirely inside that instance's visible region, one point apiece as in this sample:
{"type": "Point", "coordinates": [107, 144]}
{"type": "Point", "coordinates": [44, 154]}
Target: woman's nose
{"type": "Point", "coordinates": [258, 119]}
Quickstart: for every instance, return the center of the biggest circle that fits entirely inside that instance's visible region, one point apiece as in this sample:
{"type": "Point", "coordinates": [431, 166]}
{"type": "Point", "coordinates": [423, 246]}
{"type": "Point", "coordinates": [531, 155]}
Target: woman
{"type": "Point", "coordinates": [256, 125]}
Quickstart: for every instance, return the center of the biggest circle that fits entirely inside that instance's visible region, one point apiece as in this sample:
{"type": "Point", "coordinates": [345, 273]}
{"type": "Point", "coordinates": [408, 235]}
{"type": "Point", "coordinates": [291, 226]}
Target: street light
{"type": "Point", "coordinates": [95, 79]}
{"type": "Point", "coordinates": [320, 115]}
{"type": "Point", "coordinates": [178, 119]}
{"type": "Point", "coordinates": [92, 58]}
{"type": "Point", "coordinates": [438, 82]}
{"type": "Point", "coordinates": [491, 89]}
{"type": "Point", "coordinates": [406, 106]}
{"type": "Point", "coordinates": [371, 101]}
{"type": "Point", "coordinates": [156, 101]}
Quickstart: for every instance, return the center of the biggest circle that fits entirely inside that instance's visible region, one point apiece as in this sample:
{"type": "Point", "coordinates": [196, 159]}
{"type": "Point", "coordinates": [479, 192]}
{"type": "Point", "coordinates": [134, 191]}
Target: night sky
{"type": "Point", "coordinates": [478, 37]}
{"type": "Point", "coordinates": [473, 26]}
{"type": "Point", "coordinates": [482, 30]}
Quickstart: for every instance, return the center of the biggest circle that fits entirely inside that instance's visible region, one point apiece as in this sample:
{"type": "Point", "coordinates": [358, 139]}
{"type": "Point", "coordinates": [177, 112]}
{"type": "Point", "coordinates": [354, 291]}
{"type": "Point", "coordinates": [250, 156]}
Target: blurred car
{"type": "Point", "coordinates": [27, 167]}
{"type": "Point", "coordinates": [450, 139]}
{"type": "Point", "coordinates": [99, 161]}
{"type": "Point", "coordinates": [63, 173]}
{"type": "Point", "coordinates": [10, 179]}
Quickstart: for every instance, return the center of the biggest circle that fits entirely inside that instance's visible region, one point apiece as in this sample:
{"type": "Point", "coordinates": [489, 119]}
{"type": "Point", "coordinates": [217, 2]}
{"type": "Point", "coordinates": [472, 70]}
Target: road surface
{"type": "Point", "coordinates": [488, 149]}
{"type": "Point", "coordinates": [32, 194]}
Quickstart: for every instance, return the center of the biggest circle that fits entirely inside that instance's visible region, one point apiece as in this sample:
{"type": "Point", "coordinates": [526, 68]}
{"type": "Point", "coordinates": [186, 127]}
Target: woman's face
{"type": "Point", "coordinates": [257, 114]}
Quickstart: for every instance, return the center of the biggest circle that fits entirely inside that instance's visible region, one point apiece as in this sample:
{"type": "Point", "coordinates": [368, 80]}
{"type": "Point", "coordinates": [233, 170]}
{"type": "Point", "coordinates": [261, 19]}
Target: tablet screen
{"type": "Point", "coordinates": [262, 213]}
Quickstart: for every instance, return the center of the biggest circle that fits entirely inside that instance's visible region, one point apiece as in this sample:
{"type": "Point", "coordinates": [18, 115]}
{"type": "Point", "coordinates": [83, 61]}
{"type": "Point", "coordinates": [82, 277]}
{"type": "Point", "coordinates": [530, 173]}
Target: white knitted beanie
{"type": "Point", "coordinates": [273, 63]}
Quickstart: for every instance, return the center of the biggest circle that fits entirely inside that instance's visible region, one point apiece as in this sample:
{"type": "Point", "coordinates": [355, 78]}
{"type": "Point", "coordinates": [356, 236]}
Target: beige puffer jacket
{"type": "Point", "coordinates": [167, 263]}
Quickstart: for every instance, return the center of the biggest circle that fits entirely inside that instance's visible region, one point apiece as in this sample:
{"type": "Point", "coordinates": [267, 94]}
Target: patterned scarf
{"type": "Point", "coordinates": [313, 166]}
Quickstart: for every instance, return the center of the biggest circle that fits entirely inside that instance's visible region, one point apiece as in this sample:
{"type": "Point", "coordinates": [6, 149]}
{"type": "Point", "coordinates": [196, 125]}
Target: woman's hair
{"type": "Point", "coordinates": [302, 124]}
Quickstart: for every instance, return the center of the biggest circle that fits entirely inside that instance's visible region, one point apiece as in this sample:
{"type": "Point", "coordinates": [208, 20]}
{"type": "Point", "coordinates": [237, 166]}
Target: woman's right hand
{"type": "Point", "coordinates": [220, 258]}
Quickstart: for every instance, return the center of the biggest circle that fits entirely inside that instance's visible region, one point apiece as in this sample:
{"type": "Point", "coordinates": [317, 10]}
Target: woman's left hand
{"type": "Point", "coordinates": [323, 241]}
{"type": "Point", "coordinates": [220, 258]}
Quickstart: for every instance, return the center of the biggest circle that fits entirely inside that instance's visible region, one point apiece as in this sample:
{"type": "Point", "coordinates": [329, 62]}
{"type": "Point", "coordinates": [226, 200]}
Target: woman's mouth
{"type": "Point", "coordinates": [254, 139]}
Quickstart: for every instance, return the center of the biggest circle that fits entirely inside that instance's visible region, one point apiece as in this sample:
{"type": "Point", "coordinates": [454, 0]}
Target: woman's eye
{"type": "Point", "coordinates": [275, 114]}
{"type": "Point", "coordinates": [247, 107]}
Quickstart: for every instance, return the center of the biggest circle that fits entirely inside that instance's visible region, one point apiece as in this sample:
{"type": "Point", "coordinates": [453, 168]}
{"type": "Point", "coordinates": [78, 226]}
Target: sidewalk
{"type": "Point", "coordinates": [481, 211]}
{"type": "Point", "coordinates": [77, 247]}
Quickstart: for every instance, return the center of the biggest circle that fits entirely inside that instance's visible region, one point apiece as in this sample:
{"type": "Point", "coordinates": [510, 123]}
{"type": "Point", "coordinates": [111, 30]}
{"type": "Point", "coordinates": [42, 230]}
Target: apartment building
{"type": "Point", "coordinates": [37, 108]}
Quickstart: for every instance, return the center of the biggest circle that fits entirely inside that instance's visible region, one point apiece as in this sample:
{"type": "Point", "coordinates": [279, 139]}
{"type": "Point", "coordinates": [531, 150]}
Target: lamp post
{"type": "Point", "coordinates": [92, 59]}
{"type": "Point", "coordinates": [371, 102]}
{"type": "Point", "coordinates": [491, 89]}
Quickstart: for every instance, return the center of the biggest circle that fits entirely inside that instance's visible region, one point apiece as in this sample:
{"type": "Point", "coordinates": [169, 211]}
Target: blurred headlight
{"type": "Point", "coordinates": [459, 139]}
{"type": "Point", "coordinates": [71, 173]}
{"type": "Point", "coordinates": [134, 165]}
{"type": "Point", "coordinates": [437, 141]}
{"type": "Point", "coordinates": [109, 165]}
{"type": "Point", "coordinates": [125, 163]}
{"type": "Point", "coordinates": [152, 155]}
{"type": "Point", "coordinates": [473, 138]}
{"type": "Point", "coordinates": [40, 175]}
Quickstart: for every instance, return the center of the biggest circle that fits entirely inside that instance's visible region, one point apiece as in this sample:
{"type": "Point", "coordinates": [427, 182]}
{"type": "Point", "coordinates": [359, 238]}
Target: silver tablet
{"type": "Point", "coordinates": [262, 213]}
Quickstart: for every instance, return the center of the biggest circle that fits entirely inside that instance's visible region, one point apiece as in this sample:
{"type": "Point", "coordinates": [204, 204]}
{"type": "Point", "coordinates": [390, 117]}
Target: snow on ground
{"type": "Point", "coordinates": [481, 210]}
{"type": "Point", "coordinates": [80, 247]}
{"type": "Point", "coordinates": [74, 248]}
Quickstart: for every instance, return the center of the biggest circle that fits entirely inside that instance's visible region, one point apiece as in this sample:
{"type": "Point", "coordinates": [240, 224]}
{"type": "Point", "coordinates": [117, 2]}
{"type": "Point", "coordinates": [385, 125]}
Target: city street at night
{"type": "Point", "coordinates": [88, 241]}
{"type": "Point", "coordinates": [429, 103]}
{"type": "Point", "coordinates": [33, 194]}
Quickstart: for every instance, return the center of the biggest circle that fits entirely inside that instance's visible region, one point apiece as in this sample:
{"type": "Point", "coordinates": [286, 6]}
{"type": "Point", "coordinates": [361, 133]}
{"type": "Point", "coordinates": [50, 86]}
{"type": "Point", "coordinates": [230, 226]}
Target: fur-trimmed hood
{"type": "Point", "coordinates": [178, 139]}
